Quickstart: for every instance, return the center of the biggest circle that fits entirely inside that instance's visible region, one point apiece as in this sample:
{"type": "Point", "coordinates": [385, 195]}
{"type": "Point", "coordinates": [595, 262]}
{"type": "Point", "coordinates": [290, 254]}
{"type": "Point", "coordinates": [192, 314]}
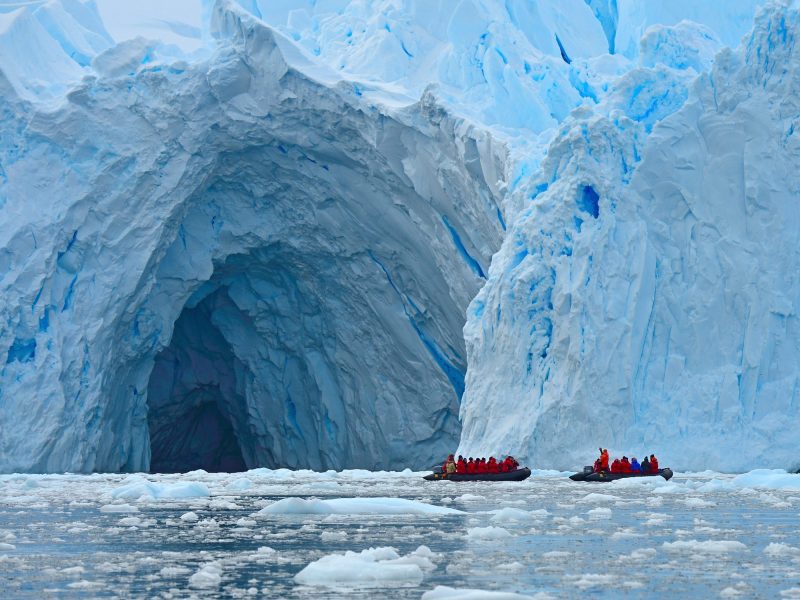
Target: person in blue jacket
{"type": "Point", "coordinates": [635, 466]}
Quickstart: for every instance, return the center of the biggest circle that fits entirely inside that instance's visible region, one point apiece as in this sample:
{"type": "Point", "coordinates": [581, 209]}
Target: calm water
{"type": "Point", "coordinates": [572, 540]}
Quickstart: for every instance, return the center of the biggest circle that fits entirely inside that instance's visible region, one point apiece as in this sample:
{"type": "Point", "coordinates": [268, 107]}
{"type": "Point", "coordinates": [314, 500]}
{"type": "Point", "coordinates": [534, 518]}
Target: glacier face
{"type": "Point", "coordinates": [317, 253]}
{"type": "Point", "coordinates": [262, 227]}
{"type": "Point", "coordinates": [648, 299]}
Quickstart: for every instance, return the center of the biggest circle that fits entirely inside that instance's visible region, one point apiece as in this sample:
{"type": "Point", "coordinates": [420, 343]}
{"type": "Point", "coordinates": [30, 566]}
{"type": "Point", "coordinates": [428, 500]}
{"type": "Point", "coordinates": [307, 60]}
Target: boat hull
{"type": "Point", "coordinates": [604, 477]}
{"type": "Point", "coordinates": [516, 475]}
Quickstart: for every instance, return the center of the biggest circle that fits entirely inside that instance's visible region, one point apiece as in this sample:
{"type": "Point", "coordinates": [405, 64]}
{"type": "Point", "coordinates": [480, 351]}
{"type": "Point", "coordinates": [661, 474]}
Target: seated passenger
{"type": "Point", "coordinates": [461, 465]}
{"type": "Point", "coordinates": [653, 464]}
{"type": "Point", "coordinates": [635, 466]}
{"type": "Point", "coordinates": [482, 467]}
{"type": "Point", "coordinates": [492, 466]}
{"type": "Point", "coordinates": [624, 465]}
{"type": "Point", "coordinates": [597, 466]}
{"type": "Point", "coordinates": [646, 465]}
{"type": "Point", "coordinates": [470, 466]}
{"type": "Point", "coordinates": [450, 465]}
{"type": "Point", "coordinates": [615, 466]}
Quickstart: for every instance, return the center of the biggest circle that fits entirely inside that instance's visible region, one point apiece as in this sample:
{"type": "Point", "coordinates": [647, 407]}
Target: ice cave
{"type": "Point", "coordinates": [294, 286]}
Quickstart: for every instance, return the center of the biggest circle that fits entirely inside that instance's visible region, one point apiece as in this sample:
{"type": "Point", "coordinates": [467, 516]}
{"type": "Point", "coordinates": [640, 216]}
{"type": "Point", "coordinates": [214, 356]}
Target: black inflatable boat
{"type": "Point", "coordinates": [589, 474]}
{"type": "Point", "coordinates": [515, 475]}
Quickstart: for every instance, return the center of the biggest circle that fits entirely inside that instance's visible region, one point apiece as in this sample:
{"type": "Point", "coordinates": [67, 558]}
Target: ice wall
{"type": "Point", "coordinates": [646, 299]}
{"type": "Point", "coordinates": [319, 249]}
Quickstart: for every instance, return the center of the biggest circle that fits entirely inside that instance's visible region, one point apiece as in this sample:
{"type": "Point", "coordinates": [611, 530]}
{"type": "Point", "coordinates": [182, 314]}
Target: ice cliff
{"type": "Point", "coordinates": [251, 234]}
{"type": "Point", "coordinates": [646, 297]}
{"type": "Point", "coordinates": [243, 247]}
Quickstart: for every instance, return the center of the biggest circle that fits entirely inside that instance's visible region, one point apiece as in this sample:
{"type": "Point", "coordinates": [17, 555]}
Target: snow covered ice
{"type": "Point", "coordinates": [244, 239]}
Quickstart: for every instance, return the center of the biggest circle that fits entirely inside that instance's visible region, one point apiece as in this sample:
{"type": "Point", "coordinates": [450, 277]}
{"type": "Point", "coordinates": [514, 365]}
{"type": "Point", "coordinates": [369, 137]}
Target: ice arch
{"type": "Point", "coordinates": [320, 248]}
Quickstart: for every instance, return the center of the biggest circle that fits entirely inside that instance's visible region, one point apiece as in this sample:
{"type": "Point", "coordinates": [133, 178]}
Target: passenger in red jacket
{"type": "Point", "coordinates": [470, 466]}
{"type": "Point", "coordinates": [604, 459]}
{"type": "Point", "coordinates": [461, 465]}
{"type": "Point", "coordinates": [482, 468]}
{"type": "Point", "coordinates": [653, 464]}
{"type": "Point", "coordinates": [491, 466]}
{"type": "Point", "coordinates": [624, 465]}
{"type": "Point", "coordinates": [615, 468]}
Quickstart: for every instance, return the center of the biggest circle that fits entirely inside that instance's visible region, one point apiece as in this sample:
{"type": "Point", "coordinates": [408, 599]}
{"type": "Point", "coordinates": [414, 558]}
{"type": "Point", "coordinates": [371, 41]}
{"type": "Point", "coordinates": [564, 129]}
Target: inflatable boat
{"type": "Point", "coordinates": [515, 475]}
{"type": "Point", "coordinates": [589, 474]}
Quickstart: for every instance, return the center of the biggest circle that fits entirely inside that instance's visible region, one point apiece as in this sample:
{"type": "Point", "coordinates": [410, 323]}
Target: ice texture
{"type": "Point", "coordinates": [248, 263]}
{"type": "Point", "coordinates": [645, 298]}
{"type": "Point", "coordinates": [351, 234]}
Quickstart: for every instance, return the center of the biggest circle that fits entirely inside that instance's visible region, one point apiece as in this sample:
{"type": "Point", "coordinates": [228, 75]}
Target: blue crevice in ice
{"type": "Point", "coordinates": [605, 11]}
{"type": "Point", "coordinates": [500, 218]}
{"type": "Point", "coordinates": [403, 46]}
{"type": "Point", "coordinates": [539, 189]}
{"type": "Point", "coordinates": [70, 292]}
{"type": "Point", "coordinates": [22, 350]}
{"type": "Point", "coordinates": [589, 201]}
{"type": "Point", "coordinates": [291, 413]}
{"type": "Point", "coordinates": [44, 320]}
{"type": "Point", "coordinates": [473, 264]}
{"type": "Point", "coordinates": [563, 52]}
{"type": "Point", "coordinates": [453, 373]}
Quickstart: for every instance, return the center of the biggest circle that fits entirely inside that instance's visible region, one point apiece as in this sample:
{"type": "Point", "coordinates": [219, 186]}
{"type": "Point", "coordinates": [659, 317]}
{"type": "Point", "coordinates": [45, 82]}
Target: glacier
{"type": "Point", "coordinates": [360, 234]}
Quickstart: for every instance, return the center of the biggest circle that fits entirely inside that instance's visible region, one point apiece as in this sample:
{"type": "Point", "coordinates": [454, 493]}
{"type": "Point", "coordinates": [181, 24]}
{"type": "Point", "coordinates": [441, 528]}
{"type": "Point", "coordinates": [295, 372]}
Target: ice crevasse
{"type": "Point", "coordinates": [267, 229]}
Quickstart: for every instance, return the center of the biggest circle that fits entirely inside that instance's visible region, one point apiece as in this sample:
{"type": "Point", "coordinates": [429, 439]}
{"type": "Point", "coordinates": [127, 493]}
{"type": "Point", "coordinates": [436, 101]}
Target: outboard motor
{"type": "Point", "coordinates": [588, 469]}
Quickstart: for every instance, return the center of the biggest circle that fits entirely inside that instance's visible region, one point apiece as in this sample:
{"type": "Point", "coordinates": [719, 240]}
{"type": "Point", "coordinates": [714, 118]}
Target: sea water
{"type": "Point", "coordinates": [210, 535]}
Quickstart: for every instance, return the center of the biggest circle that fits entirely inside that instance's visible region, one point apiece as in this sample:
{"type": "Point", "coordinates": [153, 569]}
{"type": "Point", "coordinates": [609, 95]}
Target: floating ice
{"type": "Point", "coordinates": [118, 508]}
{"type": "Point", "coordinates": [487, 533]}
{"type": "Point", "coordinates": [375, 567]}
{"type": "Point", "coordinates": [441, 592]}
{"type": "Point", "coordinates": [208, 576]}
{"type": "Point", "coordinates": [138, 487]}
{"type": "Point", "coordinates": [705, 547]}
{"type": "Point", "coordinates": [354, 506]}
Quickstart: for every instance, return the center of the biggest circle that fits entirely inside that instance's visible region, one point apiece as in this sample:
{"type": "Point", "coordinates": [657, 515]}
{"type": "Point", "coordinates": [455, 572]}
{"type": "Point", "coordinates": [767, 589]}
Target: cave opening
{"type": "Point", "coordinates": [195, 409]}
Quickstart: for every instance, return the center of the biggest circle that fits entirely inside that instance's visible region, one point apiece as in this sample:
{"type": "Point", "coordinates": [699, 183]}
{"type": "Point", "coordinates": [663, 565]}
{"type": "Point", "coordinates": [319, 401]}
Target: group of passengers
{"type": "Point", "coordinates": [648, 465]}
{"type": "Point", "coordinates": [476, 466]}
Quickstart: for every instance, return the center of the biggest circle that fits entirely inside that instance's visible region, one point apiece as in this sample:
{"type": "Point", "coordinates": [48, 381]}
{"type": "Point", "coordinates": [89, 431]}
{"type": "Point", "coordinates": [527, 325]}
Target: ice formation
{"type": "Point", "coordinates": [250, 234]}
{"type": "Point", "coordinates": [647, 294]}
{"type": "Point", "coordinates": [244, 248]}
